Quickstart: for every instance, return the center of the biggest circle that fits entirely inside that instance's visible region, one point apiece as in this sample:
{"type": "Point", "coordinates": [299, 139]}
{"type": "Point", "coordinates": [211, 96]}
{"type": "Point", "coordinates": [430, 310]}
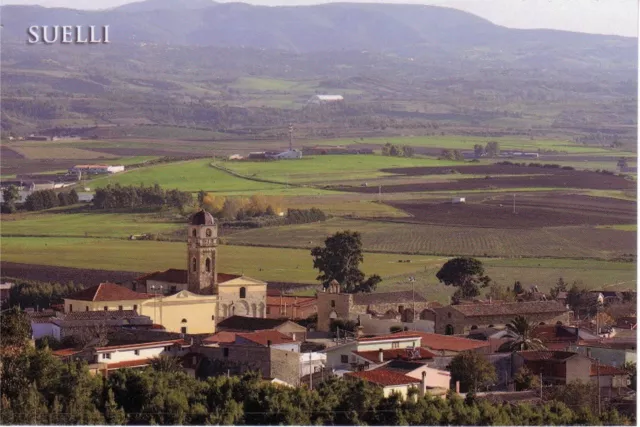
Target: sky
{"type": "Point", "coordinates": [618, 17]}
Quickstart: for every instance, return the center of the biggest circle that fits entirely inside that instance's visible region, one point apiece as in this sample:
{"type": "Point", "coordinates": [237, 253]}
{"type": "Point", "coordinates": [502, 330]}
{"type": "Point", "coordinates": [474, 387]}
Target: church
{"type": "Point", "coordinates": [191, 301]}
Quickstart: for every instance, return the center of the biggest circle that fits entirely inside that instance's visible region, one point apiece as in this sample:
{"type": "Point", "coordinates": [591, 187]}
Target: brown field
{"type": "Point", "coordinates": [8, 153]}
{"type": "Point", "coordinates": [132, 152]}
{"type": "Point", "coordinates": [533, 210]}
{"type": "Point", "coordinates": [56, 152]}
{"type": "Point", "coordinates": [533, 177]}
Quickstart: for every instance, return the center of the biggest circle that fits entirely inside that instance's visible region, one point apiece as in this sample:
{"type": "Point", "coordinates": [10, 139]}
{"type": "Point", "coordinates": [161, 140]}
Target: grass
{"type": "Point", "coordinates": [623, 227]}
{"type": "Point", "coordinates": [275, 264]}
{"type": "Point", "coordinates": [323, 169]}
{"type": "Point", "coordinates": [266, 84]}
{"type": "Point", "coordinates": [295, 265]}
{"type": "Point", "coordinates": [568, 242]}
{"type": "Point", "coordinates": [115, 225]}
{"type": "Point", "coordinates": [53, 152]}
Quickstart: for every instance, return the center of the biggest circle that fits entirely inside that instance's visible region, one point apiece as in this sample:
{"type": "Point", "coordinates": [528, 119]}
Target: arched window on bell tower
{"type": "Point", "coordinates": [194, 264]}
{"type": "Point", "coordinates": [208, 265]}
{"type": "Point", "coordinates": [194, 233]}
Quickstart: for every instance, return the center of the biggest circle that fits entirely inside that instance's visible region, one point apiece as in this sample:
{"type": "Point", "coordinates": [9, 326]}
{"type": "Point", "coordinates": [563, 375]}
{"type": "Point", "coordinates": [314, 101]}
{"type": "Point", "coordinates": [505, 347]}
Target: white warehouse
{"type": "Point", "coordinates": [96, 169]}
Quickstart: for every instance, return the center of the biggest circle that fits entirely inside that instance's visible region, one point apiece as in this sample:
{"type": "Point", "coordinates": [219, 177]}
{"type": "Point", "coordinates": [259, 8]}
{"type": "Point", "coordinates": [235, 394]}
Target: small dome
{"type": "Point", "coordinates": [202, 218]}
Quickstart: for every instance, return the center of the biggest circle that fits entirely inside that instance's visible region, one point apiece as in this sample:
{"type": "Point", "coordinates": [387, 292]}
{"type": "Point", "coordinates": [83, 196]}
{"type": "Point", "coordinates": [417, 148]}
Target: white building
{"type": "Point", "coordinates": [96, 169]}
{"type": "Point", "coordinates": [312, 362]}
{"type": "Point", "coordinates": [456, 200]}
{"type": "Point", "coordinates": [137, 355]}
{"type": "Point", "coordinates": [289, 154]}
{"type": "Point", "coordinates": [324, 99]}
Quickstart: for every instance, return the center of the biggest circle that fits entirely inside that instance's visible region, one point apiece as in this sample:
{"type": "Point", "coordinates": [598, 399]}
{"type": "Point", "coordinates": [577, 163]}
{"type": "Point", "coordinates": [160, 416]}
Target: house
{"type": "Point", "coordinates": [269, 338]}
{"type": "Point", "coordinates": [610, 351]}
{"type": "Point", "coordinates": [5, 290]}
{"type": "Point", "coordinates": [90, 323]}
{"type": "Point", "coordinates": [291, 307]}
{"type": "Point", "coordinates": [444, 345]}
{"type": "Point", "coordinates": [185, 301]}
{"type": "Point", "coordinates": [560, 337]}
{"type": "Point", "coordinates": [612, 381]}
{"type": "Point", "coordinates": [462, 318]}
{"type": "Point", "coordinates": [41, 325]}
{"type": "Point", "coordinates": [434, 379]}
{"type": "Point", "coordinates": [390, 381]}
{"type": "Point", "coordinates": [95, 169]}
{"type": "Point", "coordinates": [346, 355]}
{"type": "Point", "coordinates": [312, 362]}
{"type": "Point", "coordinates": [377, 312]}
{"type": "Point", "coordinates": [249, 324]}
{"type": "Point", "coordinates": [555, 367]}
{"type": "Point", "coordinates": [37, 138]}
{"type": "Point", "coordinates": [325, 99]}
{"type": "Point", "coordinates": [457, 200]}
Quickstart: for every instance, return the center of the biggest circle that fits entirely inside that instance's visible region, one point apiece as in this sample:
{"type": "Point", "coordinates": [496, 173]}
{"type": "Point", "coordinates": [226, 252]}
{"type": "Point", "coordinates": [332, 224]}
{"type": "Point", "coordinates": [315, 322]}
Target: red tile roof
{"type": "Point", "coordinates": [263, 337]}
{"type": "Point", "coordinates": [129, 364]}
{"type": "Point", "coordinates": [108, 292]}
{"type": "Point", "coordinates": [290, 300]}
{"type": "Point", "coordinates": [220, 337]}
{"type": "Point", "coordinates": [535, 355]}
{"type": "Point", "coordinates": [224, 277]}
{"type": "Point", "coordinates": [383, 377]}
{"type": "Point", "coordinates": [446, 342]}
{"type": "Point", "coordinates": [606, 370]}
{"type": "Point", "coordinates": [396, 353]}
{"type": "Point", "coordinates": [66, 352]}
{"type": "Point", "coordinates": [151, 344]}
{"type": "Point", "coordinates": [509, 308]}
{"type": "Point", "coordinates": [174, 275]}
{"type": "Point", "coordinates": [389, 337]}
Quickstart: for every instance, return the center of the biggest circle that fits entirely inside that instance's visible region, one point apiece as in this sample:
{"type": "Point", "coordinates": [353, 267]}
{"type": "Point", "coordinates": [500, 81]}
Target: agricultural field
{"type": "Point", "coordinates": [416, 238]}
{"type": "Point", "coordinates": [295, 265]}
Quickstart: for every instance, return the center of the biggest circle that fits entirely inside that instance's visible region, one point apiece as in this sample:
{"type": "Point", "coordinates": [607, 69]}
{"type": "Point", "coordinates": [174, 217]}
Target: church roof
{"type": "Point", "coordinates": [387, 297]}
{"type": "Point", "coordinates": [202, 218]}
{"type": "Point", "coordinates": [174, 275]}
{"type": "Point", "coordinates": [108, 292]}
{"type": "Point", "coordinates": [508, 308]}
{"type": "Point", "coordinates": [242, 323]}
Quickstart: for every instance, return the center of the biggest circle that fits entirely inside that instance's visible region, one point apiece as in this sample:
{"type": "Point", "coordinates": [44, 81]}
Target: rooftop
{"type": "Point", "coordinates": [606, 370]}
{"type": "Point", "coordinates": [406, 336]}
{"type": "Point", "coordinates": [508, 308]}
{"type": "Point", "coordinates": [396, 353]}
{"type": "Point", "coordinates": [386, 297]}
{"type": "Point", "coordinates": [178, 276]}
{"type": "Point", "coordinates": [264, 337]}
{"type": "Point", "coordinates": [151, 344]}
{"type": "Point", "coordinates": [439, 342]}
{"type": "Point", "coordinates": [403, 366]}
{"type": "Point", "coordinates": [537, 355]}
{"type": "Point", "coordinates": [220, 337]}
{"type": "Point", "coordinates": [66, 352]}
{"type": "Point", "coordinates": [108, 292]}
{"type": "Point", "coordinates": [383, 377]}
{"type": "Point", "coordinates": [202, 218]}
{"type": "Point", "coordinates": [242, 323]}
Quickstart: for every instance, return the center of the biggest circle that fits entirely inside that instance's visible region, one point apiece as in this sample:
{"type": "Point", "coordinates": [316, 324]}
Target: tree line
{"type": "Point", "coordinates": [39, 294]}
{"type": "Point", "coordinates": [38, 200]}
{"type": "Point", "coordinates": [393, 150]}
{"type": "Point", "coordinates": [127, 197]}
{"type": "Point", "coordinates": [240, 208]}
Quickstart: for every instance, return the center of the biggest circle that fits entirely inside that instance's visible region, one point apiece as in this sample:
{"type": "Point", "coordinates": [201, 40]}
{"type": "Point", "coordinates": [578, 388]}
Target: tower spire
{"type": "Point", "coordinates": [291, 137]}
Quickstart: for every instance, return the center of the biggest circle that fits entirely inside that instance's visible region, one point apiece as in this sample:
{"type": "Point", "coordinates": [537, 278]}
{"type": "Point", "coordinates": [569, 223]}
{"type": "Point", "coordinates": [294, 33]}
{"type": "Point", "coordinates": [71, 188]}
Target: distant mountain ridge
{"type": "Point", "coordinates": [402, 29]}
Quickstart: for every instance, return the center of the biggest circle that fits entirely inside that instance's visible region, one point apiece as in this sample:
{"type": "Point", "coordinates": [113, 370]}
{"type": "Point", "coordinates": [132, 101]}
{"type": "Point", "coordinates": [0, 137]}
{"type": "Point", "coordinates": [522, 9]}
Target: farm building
{"type": "Point", "coordinates": [235, 157]}
{"type": "Point", "coordinates": [457, 200]}
{"type": "Point", "coordinates": [324, 99]}
{"type": "Point", "coordinates": [96, 169]}
{"type": "Point", "coordinates": [37, 138]}
{"type": "Point", "coordinates": [289, 154]}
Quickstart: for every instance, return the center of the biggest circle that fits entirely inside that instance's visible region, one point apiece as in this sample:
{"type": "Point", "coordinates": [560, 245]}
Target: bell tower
{"type": "Point", "coordinates": [202, 243]}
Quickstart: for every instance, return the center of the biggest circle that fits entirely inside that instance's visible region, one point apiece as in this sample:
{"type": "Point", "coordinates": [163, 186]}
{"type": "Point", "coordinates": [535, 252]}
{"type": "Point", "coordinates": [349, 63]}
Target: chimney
{"type": "Point", "coordinates": [423, 383]}
{"type": "Point", "coordinates": [380, 356]}
{"type": "Point", "coordinates": [458, 387]}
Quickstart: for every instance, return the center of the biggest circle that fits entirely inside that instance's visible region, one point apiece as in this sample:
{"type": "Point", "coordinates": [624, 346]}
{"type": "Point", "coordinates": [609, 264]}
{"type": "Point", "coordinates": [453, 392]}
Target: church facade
{"type": "Point", "coordinates": [193, 300]}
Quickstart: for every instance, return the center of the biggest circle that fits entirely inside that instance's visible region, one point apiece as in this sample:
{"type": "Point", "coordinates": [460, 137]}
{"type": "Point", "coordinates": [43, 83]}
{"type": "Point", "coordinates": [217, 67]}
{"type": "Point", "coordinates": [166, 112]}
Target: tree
{"type": "Point", "coordinates": [408, 151]}
{"type": "Point", "coordinates": [15, 328]}
{"type": "Point", "coordinates": [578, 395]}
{"type": "Point", "coordinates": [10, 196]}
{"type": "Point", "coordinates": [166, 364]}
{"type": "Point", "coordinates": [467, 274]}
{"type": "Point", "coordinates": [517, 288]}
{"type": "Point", "coordinates": [478, 150]}
{"type": "Point", "coordinates": [500, 293]}
{"type": "Point", "coordinates": [340, 260]}
{"type": "Point", "coordinates": [493, 149]}
{"type": "Point", "coordinates": [561, 286]}
{"type": "Point", "coordinates": [521, 326]}
{"type": "Point", "coordinates": [473, 370]}
{"type": "Point", "coordinates": [113, 414]}
{"type": "Point", "coordinates": [632, 370]}
{"type": "Point", "coordinates": [524, 379]}
{"type": "Point", "coordinates": [73, 197]}
{"type": "Point", "coordinates": [622, 162]}
{"type": "Point", "coordinates": [63, 199]}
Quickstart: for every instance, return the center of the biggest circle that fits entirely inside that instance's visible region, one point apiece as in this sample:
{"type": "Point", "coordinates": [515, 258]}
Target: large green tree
{"type": "Point", "coordinates": [340, 260]}
{"type": "Point", "coordinates": [15, 328]}
{"type": "Point", "coordinates": [467, 274]}
{"type": "Point", "coordinates": [10, 196]}
{"type": "Point", "coordinates": [473, 370]}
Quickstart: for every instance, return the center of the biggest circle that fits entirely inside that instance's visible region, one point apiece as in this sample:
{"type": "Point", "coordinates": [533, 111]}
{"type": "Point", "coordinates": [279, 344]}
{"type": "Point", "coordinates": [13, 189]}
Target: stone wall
{"type": "Point", "coordinates": [285, 366]}
{"type": "Point", "coordinates": [332, 305]}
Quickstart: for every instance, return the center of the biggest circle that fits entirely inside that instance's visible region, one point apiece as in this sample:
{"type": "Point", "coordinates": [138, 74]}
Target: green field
{"type": "Point", "coordinates": [567, 242]}
{"type": "Point", "coordinates": [327, 168]}
{"type": "Point", "coordinates": [295, 265]}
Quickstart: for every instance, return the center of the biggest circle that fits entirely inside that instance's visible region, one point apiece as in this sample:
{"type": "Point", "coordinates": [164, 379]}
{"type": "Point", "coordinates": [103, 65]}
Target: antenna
{"type": "Point", "coordinates": [291, 137]}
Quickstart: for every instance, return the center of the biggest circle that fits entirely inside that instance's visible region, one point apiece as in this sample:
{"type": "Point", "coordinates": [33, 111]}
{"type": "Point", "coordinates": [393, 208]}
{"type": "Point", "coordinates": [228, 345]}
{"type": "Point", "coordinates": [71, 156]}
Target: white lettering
{"type": "Point", "coordinates": [92, 33]}
{"type": "Point", "coordinates": [67, 33]}
{"type": "Point", "coordinates": [54, 33]}
{"type": "Point", "coordinates": [34, 37]}
{"type": "Point", "coordinates": [105, 34]}
{"type": "Point", "coordinates": [78, 33]}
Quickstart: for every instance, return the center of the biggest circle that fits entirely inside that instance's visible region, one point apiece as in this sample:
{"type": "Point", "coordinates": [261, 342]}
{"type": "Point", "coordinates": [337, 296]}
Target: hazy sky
{"type": "Point", "coordinates": [590, 16]}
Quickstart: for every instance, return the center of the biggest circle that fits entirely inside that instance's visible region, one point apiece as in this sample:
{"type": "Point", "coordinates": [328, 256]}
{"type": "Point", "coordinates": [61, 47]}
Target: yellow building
{"type": "Point", "coordinates": [187, 301]}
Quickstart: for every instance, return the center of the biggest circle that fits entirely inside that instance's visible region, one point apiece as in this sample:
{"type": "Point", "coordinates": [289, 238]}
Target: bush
{"type": "Point", "coordinates": [41, 200]}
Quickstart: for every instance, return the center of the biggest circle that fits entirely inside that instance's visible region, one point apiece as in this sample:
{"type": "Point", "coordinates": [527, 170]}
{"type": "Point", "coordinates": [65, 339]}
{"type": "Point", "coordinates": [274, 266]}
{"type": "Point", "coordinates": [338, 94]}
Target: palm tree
{"type": "Point", "coordinates": [166, 364]}
{"type": "Point", "coordinates": [525, 341]}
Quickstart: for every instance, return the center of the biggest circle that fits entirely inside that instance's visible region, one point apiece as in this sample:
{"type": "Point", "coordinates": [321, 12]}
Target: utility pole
{"type": "Point", "coordinates": [599, 392]}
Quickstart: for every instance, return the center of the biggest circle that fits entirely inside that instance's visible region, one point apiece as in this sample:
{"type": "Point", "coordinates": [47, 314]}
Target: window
{"type": "Point", "coordinates": [120, 307]}
{"type": "Point", "coordinates": [183, 330]}
{"type": "Point", "coordinates": [194, 264]}
{"type": "Point", "coordinates": [225, 352]}
{"type": "Point", "coordinates": [86, 308]}
{"type": "Point", "coordinates": [448, 330]}
{"type": "Point", "coordinates": [136, 352]}
{"type": "Point", "coordinates": [333, 303]}
{"type": "Point", "coordinates": [106, 355]}
{"type": "Point", "coordinates": [194, 233]}
{"type": "Point", "coordinates": [184, 321]}
{"type": "Point", "coordinates": [344, 358]}
{"type": "Point", "coordinates": [208, 265]}
{"type": "Point", "coordinates": [213, 317]}
{"type": "Point", "coordinates": [449, 315]}
{"type": "Point", "coordinates": [395, 345]}
{"type": "Point", "coordinates": [174, 289]}
{"type": "Point", "coordinates": [135, 306]}
{"type": "Point", "coordinates": [70, 308]}
{"type": "Point", "coordinates": [167, 348]}
{"type": "Point", "coordinates": [268, 310]}
{"type": "Point", "coordinates": [208, 232]}
{"type": "Point", "coordinates": [243, 292]}
{"type": "Point", "coordinates": [106, 308]}
{"type": "Point", "coordinates": [400, 309]}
